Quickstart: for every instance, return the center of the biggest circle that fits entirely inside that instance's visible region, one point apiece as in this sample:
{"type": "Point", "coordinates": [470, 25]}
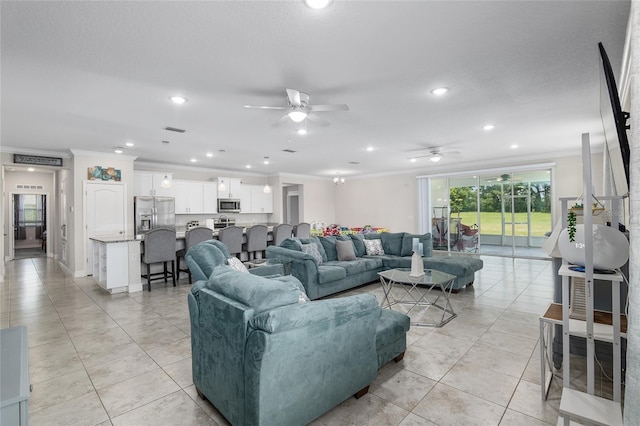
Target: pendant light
{"type": "Point", "coordinates": [166, 181]}
{"type": "Point", "coordinates": [267, 188]}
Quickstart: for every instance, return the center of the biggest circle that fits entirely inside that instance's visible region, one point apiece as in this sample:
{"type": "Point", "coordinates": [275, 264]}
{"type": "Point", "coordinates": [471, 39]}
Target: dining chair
{"type": "Point", "coordinates": [159, 247]}
{"type": "Point", "coordinates": [192, 237]}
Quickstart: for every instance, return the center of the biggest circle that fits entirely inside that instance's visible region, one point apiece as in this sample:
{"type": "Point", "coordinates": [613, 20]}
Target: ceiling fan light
{"type": "Point", "coordinates": [436, 158]}
{"type": "Point", "coordinates": [166, 182]}
{"type": "Point", "coordinates": [297, 115]}
{"type": "Point", "coordinates": [317, 4]}
{"type": "Point", "coordinates": [302, 131]}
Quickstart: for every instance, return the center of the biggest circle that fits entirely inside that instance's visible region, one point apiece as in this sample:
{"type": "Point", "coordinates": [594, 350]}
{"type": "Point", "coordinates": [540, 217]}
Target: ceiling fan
{"type": "Point", "coordinates": [435, 154]}
{"type": "Point", "coordinates": [299, 109]}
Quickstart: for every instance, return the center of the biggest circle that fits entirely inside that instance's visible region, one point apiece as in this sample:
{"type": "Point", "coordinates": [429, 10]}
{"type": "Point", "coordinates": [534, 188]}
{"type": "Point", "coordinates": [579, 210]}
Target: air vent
{"type": "Point", "coordinates": [354, 162]}
{"type": "Point", "coordinates": [290, 151]}
{"type": "Point", "coordinates": [28, 186]}
{"type": "Point", "coordinates": [175, 129]}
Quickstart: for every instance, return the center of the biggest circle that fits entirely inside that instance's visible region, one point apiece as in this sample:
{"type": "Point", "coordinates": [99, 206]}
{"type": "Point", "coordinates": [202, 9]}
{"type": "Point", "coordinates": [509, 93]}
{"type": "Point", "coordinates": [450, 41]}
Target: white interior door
{"type": "Point", "coordinates": [105, 214]}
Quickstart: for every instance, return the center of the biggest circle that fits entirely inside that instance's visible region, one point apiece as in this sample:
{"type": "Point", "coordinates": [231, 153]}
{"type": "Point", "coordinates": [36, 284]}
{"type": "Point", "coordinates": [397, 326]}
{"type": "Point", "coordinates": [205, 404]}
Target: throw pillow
{"type": "Point", "coordinates": [358, 244]}
{"type": "Point", "coordinates": [345, 250]}
{"type": "Point", "coordinates": [374, 247]}
{"type": "Point", "coordinates": [312, 249]}
{"type": "Point", "coordinates": [236, 264]}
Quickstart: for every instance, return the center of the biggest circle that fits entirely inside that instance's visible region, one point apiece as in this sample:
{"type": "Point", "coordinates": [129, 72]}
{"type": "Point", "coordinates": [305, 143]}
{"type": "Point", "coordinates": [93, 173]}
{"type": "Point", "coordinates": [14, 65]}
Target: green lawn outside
{"type": "Point", "coordinates": [491, 223]}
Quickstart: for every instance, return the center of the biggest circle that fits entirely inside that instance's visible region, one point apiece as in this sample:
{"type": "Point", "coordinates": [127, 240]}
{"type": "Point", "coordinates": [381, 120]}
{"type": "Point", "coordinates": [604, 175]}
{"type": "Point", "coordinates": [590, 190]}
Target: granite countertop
{"type": "Point", "coordinates": [114, 239]}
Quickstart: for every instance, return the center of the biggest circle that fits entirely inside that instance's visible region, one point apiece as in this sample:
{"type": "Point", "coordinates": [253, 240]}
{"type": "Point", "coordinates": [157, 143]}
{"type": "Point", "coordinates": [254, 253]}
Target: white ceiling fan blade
{"type": "Point", "coordinates": [294, 97]}
{"type": "Point", "coordinates": [281, 121]}
{"type": "Point", "coordinates": [337, 107]}
{"type": "Point", "coordinates": [264, 107]}
{"type": "Point", "coordinates": [317, 120]}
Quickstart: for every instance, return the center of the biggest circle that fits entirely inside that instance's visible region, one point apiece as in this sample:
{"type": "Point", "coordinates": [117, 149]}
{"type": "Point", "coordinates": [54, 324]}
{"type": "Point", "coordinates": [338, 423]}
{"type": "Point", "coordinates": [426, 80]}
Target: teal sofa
{"type": "Point", "coordinates": [331, 275]}
{"type": "Point", "coordinates": [262, 355]}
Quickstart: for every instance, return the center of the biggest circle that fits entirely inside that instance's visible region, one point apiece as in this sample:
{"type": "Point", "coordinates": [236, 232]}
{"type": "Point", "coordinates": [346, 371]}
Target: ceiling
{"type": "Point", "coordinates": [94, 75]}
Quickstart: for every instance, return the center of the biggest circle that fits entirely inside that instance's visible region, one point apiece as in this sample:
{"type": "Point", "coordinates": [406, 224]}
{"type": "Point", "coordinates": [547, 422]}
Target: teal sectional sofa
{"type": "Point", "coordinates": [329, 275]}
{"type": "Point", "coordinates": [263, 355]}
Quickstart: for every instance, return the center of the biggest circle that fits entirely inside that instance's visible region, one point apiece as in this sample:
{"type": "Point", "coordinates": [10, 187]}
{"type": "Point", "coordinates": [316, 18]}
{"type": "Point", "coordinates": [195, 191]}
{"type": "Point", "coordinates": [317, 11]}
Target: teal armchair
{"type": "Point", "coordinates": [263, 358]}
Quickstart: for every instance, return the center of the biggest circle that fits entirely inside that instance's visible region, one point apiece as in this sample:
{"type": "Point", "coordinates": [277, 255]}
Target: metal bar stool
{"type": "Point", "coordinates": [256, 241]}
{"type": "Point", "coordinates": [281, 232]}
{"type": "Point", "coordinates": [192, 237]}
{"type": "Point", "coordinates": [160, 246]}
{"type": "Point", "coordinates": [231, 236]}
{"type": "Point", "coordinates": [302, 230]}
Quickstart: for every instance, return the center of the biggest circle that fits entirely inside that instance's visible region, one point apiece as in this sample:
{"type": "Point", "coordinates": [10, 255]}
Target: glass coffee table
{"type": "Point", "coordinates": [415, 295]}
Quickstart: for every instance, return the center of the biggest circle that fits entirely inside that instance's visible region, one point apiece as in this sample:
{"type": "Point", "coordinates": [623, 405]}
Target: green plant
{"type": "Point", "coordinates": [571, 225]}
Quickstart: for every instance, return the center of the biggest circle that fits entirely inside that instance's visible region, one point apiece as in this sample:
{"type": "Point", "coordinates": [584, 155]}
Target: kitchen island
{"type": "Point", "coordinates": [116, 263]}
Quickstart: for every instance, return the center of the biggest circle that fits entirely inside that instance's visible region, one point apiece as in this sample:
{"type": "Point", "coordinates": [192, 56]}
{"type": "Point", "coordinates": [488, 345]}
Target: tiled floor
{"type": "Point", "coordinates": [125, 359]}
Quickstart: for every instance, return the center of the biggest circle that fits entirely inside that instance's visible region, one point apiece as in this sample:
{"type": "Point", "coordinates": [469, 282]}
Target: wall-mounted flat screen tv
{"type": "Point", "coordinates": [614, 121]}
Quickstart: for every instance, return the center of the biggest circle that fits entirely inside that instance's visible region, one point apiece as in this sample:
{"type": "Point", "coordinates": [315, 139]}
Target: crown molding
{"type": "Point", "coordinates": [27, 151]}
{"type": "Point", "coordinates": [112, 156]}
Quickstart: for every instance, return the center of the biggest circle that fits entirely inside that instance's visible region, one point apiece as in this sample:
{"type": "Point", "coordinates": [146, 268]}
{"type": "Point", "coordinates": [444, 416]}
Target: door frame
{"type": "Point", "coordinates": [12, 253]}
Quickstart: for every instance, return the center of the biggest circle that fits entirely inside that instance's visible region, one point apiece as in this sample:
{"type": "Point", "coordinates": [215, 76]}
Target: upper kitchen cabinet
{"type": "Point", "coordinates": [229, 187]}
{"type": "Point", "coordinates": [189, 197]}
{"type": "Point", "coordinates": [147, 183]}
{"type": "Point", "coordinates": [210, 197]}
{"type": "Point", "coordinates": [260, 201]}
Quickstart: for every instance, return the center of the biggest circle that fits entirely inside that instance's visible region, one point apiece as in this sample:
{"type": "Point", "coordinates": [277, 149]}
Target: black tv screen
{"type": "Point", "coordinates": [614, 120]}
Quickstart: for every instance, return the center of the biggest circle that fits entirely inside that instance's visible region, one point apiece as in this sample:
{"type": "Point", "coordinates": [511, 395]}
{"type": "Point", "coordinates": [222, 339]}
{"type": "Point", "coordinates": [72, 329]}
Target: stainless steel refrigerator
{"type": "Point", "coordinates": [154, 212]}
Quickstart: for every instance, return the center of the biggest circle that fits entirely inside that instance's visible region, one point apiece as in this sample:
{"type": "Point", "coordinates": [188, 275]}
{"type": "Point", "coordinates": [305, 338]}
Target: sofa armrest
{"type": "Point", "coordinates": [312, 313]}
{"type": "Point", "coordinates": [268, 271]}
{"type": "Point", "coordinates": [301, 360]}
{"type": "Point", "coordinates": [303, 266]}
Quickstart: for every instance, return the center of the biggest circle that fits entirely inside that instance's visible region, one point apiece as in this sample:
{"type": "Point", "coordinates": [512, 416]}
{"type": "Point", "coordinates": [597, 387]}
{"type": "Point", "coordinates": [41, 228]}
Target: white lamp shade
{"type": "Point", "coordinates": [166, 182]}
{"type": "Point", "coordinates": [436, 158]}
{"type": "Point", "coordinates": [297, 115]}
{"type": "Point", "coordinates": [610, 247]}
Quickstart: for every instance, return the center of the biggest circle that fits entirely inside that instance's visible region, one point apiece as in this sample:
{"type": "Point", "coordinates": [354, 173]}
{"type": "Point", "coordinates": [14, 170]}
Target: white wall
{"type": "Point", "coordinates": [82, 160]}
{"type": "Point", "coordinates": [317, 197]}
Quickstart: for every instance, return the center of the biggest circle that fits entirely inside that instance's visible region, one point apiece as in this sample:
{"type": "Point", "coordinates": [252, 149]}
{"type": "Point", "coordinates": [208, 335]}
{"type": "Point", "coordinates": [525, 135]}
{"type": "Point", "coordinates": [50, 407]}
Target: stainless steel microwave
{"type": "Point", "coordinates": [228, 205]}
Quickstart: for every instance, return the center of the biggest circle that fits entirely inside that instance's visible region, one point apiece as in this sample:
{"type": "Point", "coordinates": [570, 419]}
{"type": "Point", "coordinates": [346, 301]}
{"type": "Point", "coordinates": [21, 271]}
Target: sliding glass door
{"type": "Point", "coordinates": [506, 213]}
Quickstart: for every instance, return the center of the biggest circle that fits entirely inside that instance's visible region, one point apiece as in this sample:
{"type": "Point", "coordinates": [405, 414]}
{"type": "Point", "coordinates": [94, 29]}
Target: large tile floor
{"type": "Point", "coordinates": [125, 359]}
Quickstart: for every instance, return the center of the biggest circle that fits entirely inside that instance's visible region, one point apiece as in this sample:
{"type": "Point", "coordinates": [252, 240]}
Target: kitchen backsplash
{"type": "Point", "coordinates": [241, 219]}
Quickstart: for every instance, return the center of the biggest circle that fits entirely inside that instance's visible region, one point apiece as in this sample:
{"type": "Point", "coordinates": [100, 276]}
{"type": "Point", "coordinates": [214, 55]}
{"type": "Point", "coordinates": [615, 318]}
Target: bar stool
{"type": "Point", "coordinates": [281, 232]}
{"type": "Point", "coordinates": [231, 236]}
{"type": "Point", "coordinates": [256, 241]}
{"type": "Point", "coordinates": [192, 237]}
{"type": "Point", "coordinates": [302, 230]}
{"type": "Point", "coordinates": [159, 246]}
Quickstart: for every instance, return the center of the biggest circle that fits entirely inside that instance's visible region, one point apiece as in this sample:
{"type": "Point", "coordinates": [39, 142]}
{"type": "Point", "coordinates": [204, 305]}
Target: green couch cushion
{"type": "Point", "coordinates": [358, 244]}
{"type": "Point", "coordinates": [259, 293]}
{"type": "Point", "coordinates": [292, 244]}
{"type": "Point", "coordinates": [392, 242]}
{"type": "Point", "coordinates": [328, 273]}
{"type": "Point", "coordinates": [391, 326]}
{"type": "Point", "coordinates": [372, 236]}
{"type": "Point", "coordinates": [353, 267]}
{"type": "Point", "coordinates": [329, 244]}
{"type": "Point", "coordinates": [426, 240]}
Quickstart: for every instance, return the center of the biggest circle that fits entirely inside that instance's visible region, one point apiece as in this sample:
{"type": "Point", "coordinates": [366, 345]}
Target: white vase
{"type": "Point", "coordinates": [417, 267]}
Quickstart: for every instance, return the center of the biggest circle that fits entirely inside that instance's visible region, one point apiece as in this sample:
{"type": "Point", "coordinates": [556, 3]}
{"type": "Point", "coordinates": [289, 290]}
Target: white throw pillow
{"type": "Point", "coordinates": [374, 247]}
{"type": "Point", "coordinates": [236, 264]}
{"type": "Point", "coordinates": [312, 249]}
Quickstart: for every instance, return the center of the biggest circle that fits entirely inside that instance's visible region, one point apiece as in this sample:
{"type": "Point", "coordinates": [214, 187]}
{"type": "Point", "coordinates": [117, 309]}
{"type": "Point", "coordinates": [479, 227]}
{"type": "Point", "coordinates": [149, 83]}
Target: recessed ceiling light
{"type": "Point", "coordinates": [514, 146]}
{"type": "Point", "coordinates": [440, 91]}
{"type": "Point", "coordinates": [302, 131]}
{"type": "Point", "coordinates": [369, 148]}
{"type": "Point", "coordinates": [178, 99]}
{"type": "Point", "coordinates": [413, 160]}
{"type": "Point", "coordinates": [248, 166]}
{"type": "Point", "coordinates": [129, 144]}
{"type": "Point", "coordinates": [194, 160]}
{"type": "Point", "coordinates": [266, 160]}
{"type": "Point", "coordinates": [31, 169]}
{"type": "Point", "coordinates": [488, 127]}
{"type": "Point", "coordinates": [317, 4]}
{"type": "Point", "coordinates": [118, 150]}
{"type": "Point", "coordinates": [209, 154]}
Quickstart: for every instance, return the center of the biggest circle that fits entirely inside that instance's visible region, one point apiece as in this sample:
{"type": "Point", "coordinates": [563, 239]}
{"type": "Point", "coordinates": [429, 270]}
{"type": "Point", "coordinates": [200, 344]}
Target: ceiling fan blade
{"type": "Point", "coordinates": [264, 107]}
{"type": "Point", "coordinates": [317, 120]}
{"type": "Point", "coordinates": [294, 97]}
{"type": "Point", "coordinates": [337, 107]}
{"type": "Point", "coordinates": [280, 121]}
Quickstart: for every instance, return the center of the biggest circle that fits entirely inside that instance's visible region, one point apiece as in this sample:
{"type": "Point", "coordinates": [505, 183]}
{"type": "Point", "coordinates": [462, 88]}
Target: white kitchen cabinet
{"type": "Point", "coordinates": [232, 188]}
{"type": "Point", "coordinates": [260, 201]}
{"type": "Point", "coordinates": [210, 197]}
{"type": "Point", "coordinates": [188, 197]}
{"type": "Point", "coordinates": [116, 264]}
{"type": "Point", "coordinates": [147, 183]}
